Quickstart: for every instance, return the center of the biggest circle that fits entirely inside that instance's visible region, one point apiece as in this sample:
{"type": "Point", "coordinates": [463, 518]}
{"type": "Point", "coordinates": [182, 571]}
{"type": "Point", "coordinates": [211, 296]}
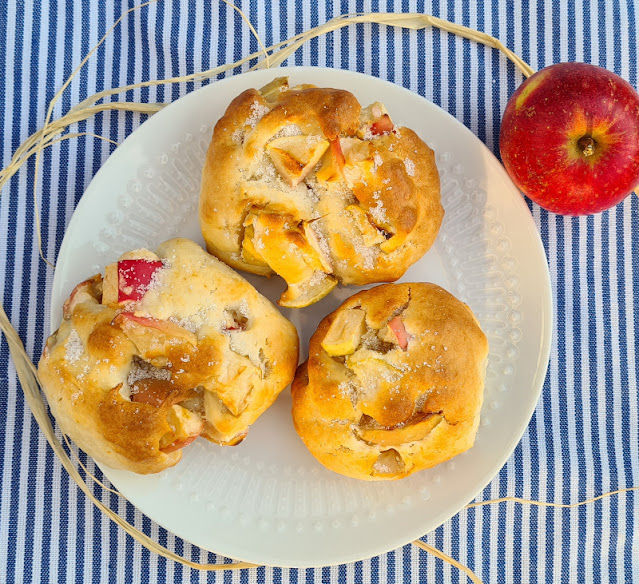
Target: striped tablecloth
{"type": "Point", "coordinates": [583, 439]}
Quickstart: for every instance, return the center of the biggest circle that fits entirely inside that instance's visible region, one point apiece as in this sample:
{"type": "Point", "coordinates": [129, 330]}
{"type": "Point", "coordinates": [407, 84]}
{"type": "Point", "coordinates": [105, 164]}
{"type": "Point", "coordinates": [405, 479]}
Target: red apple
{"type": "Point", "coordinates": [570, 138]}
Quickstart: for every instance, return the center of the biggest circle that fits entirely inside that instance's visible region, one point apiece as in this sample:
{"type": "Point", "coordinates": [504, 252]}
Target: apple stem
{"type": "Point", "coordinates": [587, 145]}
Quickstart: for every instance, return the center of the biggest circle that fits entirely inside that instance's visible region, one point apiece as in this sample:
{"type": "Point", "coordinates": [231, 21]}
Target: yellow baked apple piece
{"type": "Point", "coordinates": [249, 254]}
{"type": "Point", "coordinates": [283, 247]}
{"type": "Point", "coordinates": [332, 168]}
{"type": "Point", "coordinates": [345, 332]}
{"type": "Point", "coordinates": [402, 435]}
{"type": "Point", "coordinates": [295, 156]}
{"type": "Point", "coordinates": [314, 242]}
{"type": "Point", "coordinates": [271, 91]}
{"type": "Point", "coordinates": [370, 234]}
{"type": "Point", "coordinates": [309, 292]}
{"type": "Point", "coordinates": [282, 244]}
{"type": "Point", "coordinates": [186, 427]}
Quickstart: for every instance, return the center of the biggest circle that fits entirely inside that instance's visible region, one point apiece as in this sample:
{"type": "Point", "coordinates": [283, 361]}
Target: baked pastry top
{"type": "Point", "coordinates": [168, 346]}
{"type": "Point", "coordinates": [393, 383]}
{"type": "Point", "coordinates": [305, 183]}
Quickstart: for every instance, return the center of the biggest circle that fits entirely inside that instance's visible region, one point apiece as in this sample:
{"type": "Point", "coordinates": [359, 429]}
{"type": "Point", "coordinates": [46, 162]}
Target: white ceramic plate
{"type": "Point", "coordinates": [267, 500]}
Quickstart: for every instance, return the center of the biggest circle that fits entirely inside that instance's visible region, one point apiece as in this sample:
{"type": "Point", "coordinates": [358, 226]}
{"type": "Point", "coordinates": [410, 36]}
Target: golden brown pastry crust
{"type": "Point", "coordinates": [381, 411]}
{"type": "Point", "coordinates": [371, 197]}
{"type": "Point", "coordinates": [200, 353]}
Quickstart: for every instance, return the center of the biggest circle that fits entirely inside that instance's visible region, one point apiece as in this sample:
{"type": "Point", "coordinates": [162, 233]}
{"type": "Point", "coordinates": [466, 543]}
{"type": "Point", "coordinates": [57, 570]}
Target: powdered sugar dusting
{"type": "Point", "coordinates": [74, 347]}
{"type": "Point", "coordinates": [143, 370]}
{"type": "Point", "coordinates": [258, 111]}
{"type": "Point", "coordinates": [381, 468]}
{"type": "Point", "coordinates": [348, 389]}
{"type": "Point", "coordinates": [321, 239]}
{"type": "Point", "coordinates": [194, 321]}
{"type": "Point", "coordinates": [410, 167]}
{"type": "Point", "coordinates": [289, 130]}
{"type": "Point", "coordinates": [368, 255]}
{"type": "Point", "coordinates": [237, 136]}
{"type": "Point", "coordinates": [316, 278]}
{"type": "Point", "coordinates": [390, 375]}
{"type": "Point", "coordinates": [378, 212]}
{"type": "Point", "coordinates": [186, 323]}
{"type": "Point", "coordinates": [243, 309]}
{"type": "Point", "coordinates": [264, 170]}
{"type": "Point", "coordinates": [157, 277]}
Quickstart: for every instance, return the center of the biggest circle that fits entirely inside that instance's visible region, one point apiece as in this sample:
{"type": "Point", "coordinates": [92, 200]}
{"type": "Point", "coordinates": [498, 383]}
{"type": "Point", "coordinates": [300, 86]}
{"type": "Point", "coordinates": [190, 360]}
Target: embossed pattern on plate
{"type": "Point", "coordinates": [268, 500]}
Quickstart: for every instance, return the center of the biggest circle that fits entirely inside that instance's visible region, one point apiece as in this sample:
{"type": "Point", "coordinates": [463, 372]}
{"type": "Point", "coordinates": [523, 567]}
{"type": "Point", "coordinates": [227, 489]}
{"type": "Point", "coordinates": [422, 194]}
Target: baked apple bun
{"type": "Point", "coordinates": [393, 384]}
{"type": "Point", "coordinates": [304, 183]}
{"type": "Point", "coordinates": [168, 346]}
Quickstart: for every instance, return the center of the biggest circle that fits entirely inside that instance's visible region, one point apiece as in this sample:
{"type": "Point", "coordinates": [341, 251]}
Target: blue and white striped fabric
{"type": "Point", "coordinates": [584, 437]}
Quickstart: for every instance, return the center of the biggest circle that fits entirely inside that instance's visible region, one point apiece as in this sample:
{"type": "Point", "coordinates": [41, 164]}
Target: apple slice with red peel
{"type": "Point", "coordinates": [178, 444]}
{"type": "Point", "coordinates": [152, 336]}
{"type": "Point", "coordinates": [336, 148]}
{"type": "Point", "coordinates": [383, 125]}
{"type": "Point", "coordinates": [186, 425]}
{"type": "Point", "coordinates": [134, 278]}
{"type": "Point", "coordinates": [234, 321]}
{"type": "Point", "coordinates": [370, 115]}
{"type": "Point", "coordinates": [396, 325]}
{"type": "Point", "coordinates": [82, 292]}
{"type": "Point", "coordinates": [127, 320]}
{"type": "Point", "coordinates": [333, 163]}
{"type": "Point", "coordinates": [233, 328]}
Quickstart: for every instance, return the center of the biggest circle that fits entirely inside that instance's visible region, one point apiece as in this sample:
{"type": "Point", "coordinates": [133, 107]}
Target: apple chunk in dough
{"type": "Point", "coordinates": [345, 332]}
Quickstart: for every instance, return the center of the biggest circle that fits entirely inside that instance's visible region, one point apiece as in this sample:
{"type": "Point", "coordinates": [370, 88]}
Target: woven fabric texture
{"type": "Point", "coordinates": [583, 439]}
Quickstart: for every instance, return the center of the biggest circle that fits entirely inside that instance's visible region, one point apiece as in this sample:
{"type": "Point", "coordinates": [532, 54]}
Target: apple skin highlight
{"type": "Point", "coordinates": [570, 138]}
